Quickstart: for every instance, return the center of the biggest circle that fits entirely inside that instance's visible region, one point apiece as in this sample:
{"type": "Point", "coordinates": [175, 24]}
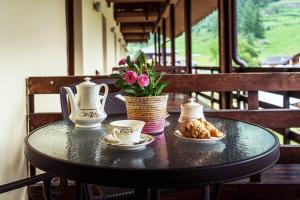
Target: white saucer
{"type": "Point", "coordinates": [178, 134]}
{"type": "Point", "coordinates": [145, 140]}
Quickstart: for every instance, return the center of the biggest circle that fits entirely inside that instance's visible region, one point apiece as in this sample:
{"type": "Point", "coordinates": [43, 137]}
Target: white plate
{"type": "Point", "coordinates": [145, 140]}
{"type": "Point", "coordinates": [178, 134]}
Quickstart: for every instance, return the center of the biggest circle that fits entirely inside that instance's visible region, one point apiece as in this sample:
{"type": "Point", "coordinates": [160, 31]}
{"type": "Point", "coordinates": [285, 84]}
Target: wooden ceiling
{"type": "Point", "coordinates": [137, 18]}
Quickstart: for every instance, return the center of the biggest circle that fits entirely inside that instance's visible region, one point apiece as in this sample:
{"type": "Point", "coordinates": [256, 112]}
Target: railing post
{"type": "Point", "coordinates": [155, 47]}
{"type": "Point", "coordinates": [172, 34]}
{"type": "Point", "coordinates": [164, 42]}
{"type": "Point", "coordinates": [158, 39]}
{"type": "Point", "coordinates": [212, 94]}
{"type": "Point", "coordinates": [188, 34]}
{"type": "Point", "coordinates": [286, 104]}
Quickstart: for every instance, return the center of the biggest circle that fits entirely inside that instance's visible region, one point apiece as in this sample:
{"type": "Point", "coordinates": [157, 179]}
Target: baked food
{"type": "Point", "coordinates": [200, 129]}
{"type": "Point", "coordinates": [194, 129]}
{"type": "Point", "coordinates": [213, 131]}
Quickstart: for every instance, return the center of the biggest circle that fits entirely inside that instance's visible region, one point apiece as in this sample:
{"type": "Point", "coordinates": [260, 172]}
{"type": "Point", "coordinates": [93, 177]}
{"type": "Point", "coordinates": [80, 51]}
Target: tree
{"type": "Point", "coordinates": [259, 31]}
{"type": "Point", "coordinates": [250, 19]}
{"type": "Point", "coordinates": [248, 53]}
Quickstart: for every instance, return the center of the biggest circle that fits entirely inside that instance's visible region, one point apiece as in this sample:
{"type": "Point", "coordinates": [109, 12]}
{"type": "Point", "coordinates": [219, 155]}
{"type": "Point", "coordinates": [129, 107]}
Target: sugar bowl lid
{"type": "Point", "coordinates": [192, 103]}
{"type": "Point", "coordinates": [87, 83]}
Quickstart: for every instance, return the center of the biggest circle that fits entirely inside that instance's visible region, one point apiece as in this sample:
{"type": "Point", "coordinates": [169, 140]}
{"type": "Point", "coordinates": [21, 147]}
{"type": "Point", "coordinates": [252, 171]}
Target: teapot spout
{"type": "Point", "coordinates": [74, 106]}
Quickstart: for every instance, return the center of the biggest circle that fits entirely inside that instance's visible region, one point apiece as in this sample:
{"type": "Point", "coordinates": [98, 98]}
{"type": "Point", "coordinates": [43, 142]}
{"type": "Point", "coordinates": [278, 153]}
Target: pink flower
{"type": "Point", "coordinates": [122, 62]}
{"type": "Point", "coordinates": [130, 77]}
{"type": "Point", "coordinates": [143, 80]}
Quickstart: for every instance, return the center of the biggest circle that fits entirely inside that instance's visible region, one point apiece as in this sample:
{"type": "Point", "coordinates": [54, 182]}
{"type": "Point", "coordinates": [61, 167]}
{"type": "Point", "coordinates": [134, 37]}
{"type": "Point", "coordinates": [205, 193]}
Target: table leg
{"type": "Point", "coordinates": [154, 194]}
{"type": "Point", "coordinates": [215, 191]}
{"type": "Point", "coordinates": [205, 192]}
{"type": "Point", "coordinates": [47, 189]}
{"type": "Point", "coordinates": [78, 191]}
{"type": "Point", "coordinates": [141, 194]}
{"type": "Point", "coordinates": [82, 191]}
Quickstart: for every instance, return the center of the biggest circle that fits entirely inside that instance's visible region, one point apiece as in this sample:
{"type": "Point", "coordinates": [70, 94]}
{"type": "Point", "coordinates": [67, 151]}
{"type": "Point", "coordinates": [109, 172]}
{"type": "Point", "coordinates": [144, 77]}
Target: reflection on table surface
{"type": "Point", "coordinates": [63, 141]}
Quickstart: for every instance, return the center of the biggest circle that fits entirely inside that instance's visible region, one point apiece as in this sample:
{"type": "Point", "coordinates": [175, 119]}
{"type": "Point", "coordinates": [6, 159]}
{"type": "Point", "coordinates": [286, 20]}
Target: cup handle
{"type": "Point", "coordinates": [114, 132]}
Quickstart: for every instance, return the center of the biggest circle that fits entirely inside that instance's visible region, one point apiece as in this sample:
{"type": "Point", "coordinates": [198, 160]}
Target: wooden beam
{"type": "Point", "coordinates": [281, 81]}
{"type": "Point", "coordinates": [225, 45]}
{"type": "Point", "coordinates": [289, 154]}
{"type": "Point", "coordinates": [266, 117]}
{"type": "Point", "coordinates": [188, 34]}
{"type": "Point", "coordinates": [225, 35]}
{"type": "Point", "coordinates": [39, 119]}
{"type": "Point", "coordinates": [137, 29]}
{"type": "Point", "coordinates": [133, 17]}
{"type": "Point", "coordinates": [172, 34]}
{"type": "Point", "coordinates": [142, 36]}
{"type": "Point", "coordinates": [135, 41]}
{"type": "Point", "coordinates": [134, 1]}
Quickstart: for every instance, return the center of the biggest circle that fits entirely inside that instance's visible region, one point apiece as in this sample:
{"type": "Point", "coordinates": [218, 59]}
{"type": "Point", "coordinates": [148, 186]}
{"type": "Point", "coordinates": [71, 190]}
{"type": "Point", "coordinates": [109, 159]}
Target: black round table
{"type": "Point", "coordinates": [169, 162]}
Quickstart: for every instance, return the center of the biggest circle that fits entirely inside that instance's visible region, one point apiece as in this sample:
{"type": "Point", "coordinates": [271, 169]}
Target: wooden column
{"type": "Point", "coordinates": [69, 6]}
{"type": "Point", "coordinates": [164, 42]}
{"type": "Point", "coordinates": [155, 47]}
{"type": "Point", "coordinates": [172, 34]}
{"type": "Point", "coordinates": [158, 39]}
{"type": "Point", "coordinates": [225, 9]}
{"type": "Point", "coordinates": [188, 34]}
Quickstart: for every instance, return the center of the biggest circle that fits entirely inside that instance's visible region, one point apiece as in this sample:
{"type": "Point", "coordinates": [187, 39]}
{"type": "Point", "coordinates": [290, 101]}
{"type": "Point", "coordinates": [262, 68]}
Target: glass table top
{"type": "Point", "coordinates": [63, 141]}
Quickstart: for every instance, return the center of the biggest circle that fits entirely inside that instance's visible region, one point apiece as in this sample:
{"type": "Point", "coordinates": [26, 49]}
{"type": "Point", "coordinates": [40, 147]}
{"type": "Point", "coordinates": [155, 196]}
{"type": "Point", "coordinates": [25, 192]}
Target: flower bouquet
{"type": "Point", "coordinates": [142, 88]}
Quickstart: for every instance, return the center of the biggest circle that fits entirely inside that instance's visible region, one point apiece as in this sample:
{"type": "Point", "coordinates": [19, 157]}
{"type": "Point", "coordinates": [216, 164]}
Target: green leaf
{"type": "Point", "coordinates": [128, 61]}
{"type": "Point", "coordinates": [159, 77]}
{"type": "Point", "coordinates": [159, 88]}
{"type": "Point", "coordinates": [153, 67]}
{"type": "Point", "coordinates": [119, 83]}
{"type": "Point", "coordinates": [147, 67]}
{"type": "Point", "coordinates": [142, 59]}
{"type": "Point", "coordinates": [136, 68]}
{"type": "Point", "coordinates": [117, 76]}
{"type": "Point", "coordinates": [130, 92]}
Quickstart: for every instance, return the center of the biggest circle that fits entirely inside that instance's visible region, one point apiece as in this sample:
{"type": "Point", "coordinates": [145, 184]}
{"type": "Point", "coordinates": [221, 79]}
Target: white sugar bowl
{"type": "Point", "coordinates": [191, 110]}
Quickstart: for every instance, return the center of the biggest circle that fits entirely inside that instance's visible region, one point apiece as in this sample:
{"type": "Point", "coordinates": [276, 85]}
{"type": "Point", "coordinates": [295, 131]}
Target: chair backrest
{"type": "Point", "coordinates": [113, 105]}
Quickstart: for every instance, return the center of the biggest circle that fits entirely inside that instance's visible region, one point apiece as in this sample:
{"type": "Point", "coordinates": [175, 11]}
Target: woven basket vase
{"type": "Point", "coordinates": [151, 110]}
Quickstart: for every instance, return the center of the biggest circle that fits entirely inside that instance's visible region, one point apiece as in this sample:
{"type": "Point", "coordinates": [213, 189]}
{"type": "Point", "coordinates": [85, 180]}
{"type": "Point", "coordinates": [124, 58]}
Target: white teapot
{"type": "Point", "coordinates": [191, 110]}
{"type": "Point", "coordinates": [87, 111]}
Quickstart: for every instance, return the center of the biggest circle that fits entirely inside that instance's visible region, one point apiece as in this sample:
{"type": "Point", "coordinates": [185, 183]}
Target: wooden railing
{"type": "Point", "coordinates": [277, 119]}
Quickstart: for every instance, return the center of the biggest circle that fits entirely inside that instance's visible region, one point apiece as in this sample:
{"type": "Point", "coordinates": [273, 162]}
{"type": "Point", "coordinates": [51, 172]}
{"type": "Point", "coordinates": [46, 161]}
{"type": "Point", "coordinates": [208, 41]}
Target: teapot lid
{"type": "Point", "coordinates": [87, 82]}
{"type": "Point", "coordinates": [192, 103]}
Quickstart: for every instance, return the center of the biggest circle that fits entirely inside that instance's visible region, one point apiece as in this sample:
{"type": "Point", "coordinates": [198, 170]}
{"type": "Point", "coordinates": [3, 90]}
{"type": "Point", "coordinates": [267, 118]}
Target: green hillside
{"type": "Point", "coordinates": [275, 31]}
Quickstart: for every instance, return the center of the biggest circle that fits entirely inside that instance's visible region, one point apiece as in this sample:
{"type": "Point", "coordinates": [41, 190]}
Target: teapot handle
{"type": "Point", "coordinates": [105, 93]}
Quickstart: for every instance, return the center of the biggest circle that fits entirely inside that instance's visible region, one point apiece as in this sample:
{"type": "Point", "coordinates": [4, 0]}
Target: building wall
{"type": "Point", "coordinates": [90, 39]}
{"type": "Point", "coordinates": [33, 43]}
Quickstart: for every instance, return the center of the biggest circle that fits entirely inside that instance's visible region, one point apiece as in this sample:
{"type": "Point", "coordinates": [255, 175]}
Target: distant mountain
{"type": "Point", "coordinates": [267, 28]}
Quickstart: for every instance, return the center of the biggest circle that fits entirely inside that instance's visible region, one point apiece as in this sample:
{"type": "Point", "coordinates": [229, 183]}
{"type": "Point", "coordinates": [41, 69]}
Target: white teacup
{"type": "Point", "coordinates": [127, 131]}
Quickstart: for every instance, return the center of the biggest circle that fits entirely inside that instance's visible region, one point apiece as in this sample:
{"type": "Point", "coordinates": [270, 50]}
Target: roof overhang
{"type": "Point", "coordinates": [137, 18]}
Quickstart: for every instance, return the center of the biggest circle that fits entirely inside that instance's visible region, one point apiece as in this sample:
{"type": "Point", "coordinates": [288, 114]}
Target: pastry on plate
{"type": "Point", "coordinates": [213, 131]}
{"type": "Point", "coordinates": [200, 129]}
{"type": "Point", "coordinates": [194, 129]}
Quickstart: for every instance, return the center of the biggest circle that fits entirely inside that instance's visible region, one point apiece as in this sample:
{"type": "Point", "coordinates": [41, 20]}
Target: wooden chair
{"type": "Point", "coordinates": [113, 105]}
{"type": "Point", "coordinates": [276, 119]}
